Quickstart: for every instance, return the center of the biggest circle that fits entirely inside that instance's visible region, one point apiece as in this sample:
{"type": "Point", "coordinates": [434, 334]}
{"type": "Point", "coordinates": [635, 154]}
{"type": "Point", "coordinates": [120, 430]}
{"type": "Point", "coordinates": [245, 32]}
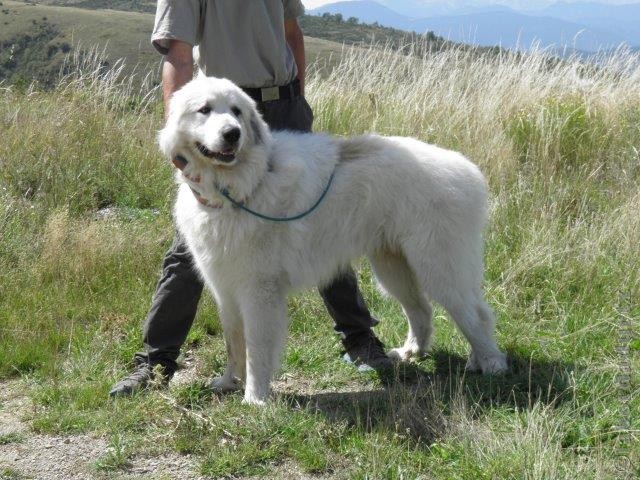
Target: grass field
{"type": "Point", "coordinates": [559, 144]}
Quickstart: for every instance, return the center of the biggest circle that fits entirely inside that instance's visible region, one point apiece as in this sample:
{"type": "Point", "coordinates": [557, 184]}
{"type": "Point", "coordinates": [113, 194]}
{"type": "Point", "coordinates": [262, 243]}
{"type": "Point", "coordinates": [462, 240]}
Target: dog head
{"type": "Point", "coordinates": [214, 122]}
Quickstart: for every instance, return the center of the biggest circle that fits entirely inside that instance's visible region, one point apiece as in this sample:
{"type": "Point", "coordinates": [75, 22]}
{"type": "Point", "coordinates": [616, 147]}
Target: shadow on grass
{"type": "Point", "coordinates": [418, 404]}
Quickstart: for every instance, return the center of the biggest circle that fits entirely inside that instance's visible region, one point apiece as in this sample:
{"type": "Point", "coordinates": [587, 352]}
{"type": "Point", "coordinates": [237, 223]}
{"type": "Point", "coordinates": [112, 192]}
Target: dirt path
{"type": "Point", "coordinates": [24, 454]}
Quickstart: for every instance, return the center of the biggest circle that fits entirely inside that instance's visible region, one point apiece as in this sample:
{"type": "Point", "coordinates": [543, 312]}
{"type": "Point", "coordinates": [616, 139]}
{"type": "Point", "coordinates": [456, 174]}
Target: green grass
{"type": "Point", "coordinates": [562, 162]}
{"type": "Point", "coordinates": [7, 473]}
{"type": "Point", "coordinates": [116, 456]}
{"type": "Point", "coordinates": [7, 438]}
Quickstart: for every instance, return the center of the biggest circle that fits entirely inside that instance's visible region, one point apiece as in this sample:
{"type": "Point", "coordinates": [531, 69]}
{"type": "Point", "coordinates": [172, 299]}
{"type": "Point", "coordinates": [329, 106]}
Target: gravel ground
{"type": "Point", "coordinates": [24, 454]}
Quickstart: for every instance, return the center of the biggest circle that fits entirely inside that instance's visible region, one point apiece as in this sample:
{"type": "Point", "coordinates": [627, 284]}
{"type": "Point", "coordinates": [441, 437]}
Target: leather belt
{"type": "Point", "coordinates": [270, 94]}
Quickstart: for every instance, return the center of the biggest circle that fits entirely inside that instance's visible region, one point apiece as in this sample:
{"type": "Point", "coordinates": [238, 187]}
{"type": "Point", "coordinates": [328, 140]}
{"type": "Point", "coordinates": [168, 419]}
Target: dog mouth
{"type": "Point", "coordinates": [227, 155]}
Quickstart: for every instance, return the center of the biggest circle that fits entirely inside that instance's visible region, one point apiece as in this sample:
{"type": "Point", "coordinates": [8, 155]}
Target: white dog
{"type": "Point", "coordinates": [415, 210]}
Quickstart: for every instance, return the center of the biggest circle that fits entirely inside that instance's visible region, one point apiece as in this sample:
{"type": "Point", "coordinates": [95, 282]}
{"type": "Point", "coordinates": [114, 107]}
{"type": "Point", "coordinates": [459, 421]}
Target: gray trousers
{"type": "Point", "coordinates": [175, 301]}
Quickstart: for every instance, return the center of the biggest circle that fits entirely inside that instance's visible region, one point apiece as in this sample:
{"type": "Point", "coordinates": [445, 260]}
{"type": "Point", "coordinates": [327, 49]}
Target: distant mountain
{"type": "Point", "coordinates": [487, 25]}
{"type": "Point", "coordinates": [511, 30]}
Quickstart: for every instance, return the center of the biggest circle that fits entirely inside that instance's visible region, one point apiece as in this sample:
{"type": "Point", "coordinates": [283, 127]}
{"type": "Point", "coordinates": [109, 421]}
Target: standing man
{"type": "Point", "coordinates": [257, 44]}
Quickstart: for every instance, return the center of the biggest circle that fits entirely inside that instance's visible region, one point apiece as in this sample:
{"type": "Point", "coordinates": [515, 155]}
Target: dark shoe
{"type": "Point", "coordinates": [140, 379]}
{"type": "Point", "coordinates": [367, 354]}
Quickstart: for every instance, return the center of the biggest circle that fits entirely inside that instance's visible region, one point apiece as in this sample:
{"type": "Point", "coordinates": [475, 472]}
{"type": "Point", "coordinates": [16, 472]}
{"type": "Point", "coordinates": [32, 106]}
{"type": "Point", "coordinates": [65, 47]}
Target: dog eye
{"type": "Point", "coordinates": [236, 111]}
{"type": "Point", "coordinates": [206, 110]}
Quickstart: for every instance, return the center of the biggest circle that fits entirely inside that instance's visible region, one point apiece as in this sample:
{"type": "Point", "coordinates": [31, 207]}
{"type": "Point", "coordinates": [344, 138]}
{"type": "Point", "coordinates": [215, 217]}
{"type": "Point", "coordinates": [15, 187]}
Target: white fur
{"type": "Point", "coordinates": [415, 210]}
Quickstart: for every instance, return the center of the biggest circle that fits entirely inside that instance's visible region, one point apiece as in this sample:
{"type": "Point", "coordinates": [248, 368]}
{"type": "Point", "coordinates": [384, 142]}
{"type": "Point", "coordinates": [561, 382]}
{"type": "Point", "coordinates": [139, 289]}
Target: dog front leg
{"type": "Point", "coordinates": [264, 314]}
{"type": "Point", "coordinates": [234, 372]}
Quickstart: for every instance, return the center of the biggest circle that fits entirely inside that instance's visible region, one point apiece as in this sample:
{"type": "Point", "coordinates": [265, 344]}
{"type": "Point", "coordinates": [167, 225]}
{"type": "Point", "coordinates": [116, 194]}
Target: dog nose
{"type": "Point", "coordinates": [231, 135]}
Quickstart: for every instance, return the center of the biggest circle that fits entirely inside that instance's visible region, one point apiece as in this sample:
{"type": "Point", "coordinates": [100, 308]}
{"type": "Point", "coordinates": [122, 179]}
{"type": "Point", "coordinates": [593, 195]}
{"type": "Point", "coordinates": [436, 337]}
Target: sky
{"type": "Point", "coordinates": [317, 3]}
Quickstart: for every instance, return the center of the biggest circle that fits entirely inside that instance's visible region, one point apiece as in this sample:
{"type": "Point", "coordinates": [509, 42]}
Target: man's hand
{"type": "Point", "coordinates": [179, 162]}
{"type": "Point", "coordinates": [177, 70]}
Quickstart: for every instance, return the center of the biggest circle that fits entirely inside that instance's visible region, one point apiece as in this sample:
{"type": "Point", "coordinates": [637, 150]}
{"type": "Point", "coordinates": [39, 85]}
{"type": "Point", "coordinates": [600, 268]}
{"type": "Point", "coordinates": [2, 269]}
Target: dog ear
{"type": "Point", "coordinates": [257, 135]}
{"type": "Point", "coordinates": [259, 129]}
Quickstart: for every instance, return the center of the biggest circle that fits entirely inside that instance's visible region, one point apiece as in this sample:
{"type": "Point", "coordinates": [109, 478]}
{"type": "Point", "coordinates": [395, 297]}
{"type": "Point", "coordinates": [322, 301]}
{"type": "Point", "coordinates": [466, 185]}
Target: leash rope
{"type": "Point", "coordinates": [225, 193]}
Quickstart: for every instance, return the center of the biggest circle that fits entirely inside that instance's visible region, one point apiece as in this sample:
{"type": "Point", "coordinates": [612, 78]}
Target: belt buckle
{"type": "Point", "coordinates": [270, 93]}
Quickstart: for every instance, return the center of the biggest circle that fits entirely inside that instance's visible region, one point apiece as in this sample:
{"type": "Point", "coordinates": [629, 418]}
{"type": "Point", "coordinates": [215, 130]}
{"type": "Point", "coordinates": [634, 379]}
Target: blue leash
{"type": "Point", "coordinates": [225, 193]}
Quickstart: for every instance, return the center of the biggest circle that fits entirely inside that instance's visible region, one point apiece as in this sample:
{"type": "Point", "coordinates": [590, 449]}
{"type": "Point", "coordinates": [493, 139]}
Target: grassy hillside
{"type": "Point", "coordinates": [145, 6]}
{"type": "Point", "coordinates": [559, 147]}
{"type": "Point", "coordinates": [34, 39]}
{"type": "Point", "coordinates": [38, 54]}
{"type": "Point", "coordinates": [121, 34]}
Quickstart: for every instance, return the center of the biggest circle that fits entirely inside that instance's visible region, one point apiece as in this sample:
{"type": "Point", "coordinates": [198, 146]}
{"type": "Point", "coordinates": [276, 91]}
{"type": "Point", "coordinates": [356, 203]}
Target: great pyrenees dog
{"type": "Point", "coordinates": [415, 210]}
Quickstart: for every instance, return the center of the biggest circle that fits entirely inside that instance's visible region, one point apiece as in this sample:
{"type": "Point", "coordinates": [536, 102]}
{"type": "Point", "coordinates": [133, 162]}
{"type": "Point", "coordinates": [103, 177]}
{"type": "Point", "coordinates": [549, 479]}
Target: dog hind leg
{"type": "Point", "coordinates": [486, 358]}
{"type": "Point", "coordinates": [397, 278]}
{"type": "Point", "coordinates": [452, 277]}
{"type": "Point", "coordinates": [475, 320]}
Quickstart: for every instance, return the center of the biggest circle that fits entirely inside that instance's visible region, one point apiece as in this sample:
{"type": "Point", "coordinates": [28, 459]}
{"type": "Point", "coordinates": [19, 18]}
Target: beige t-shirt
{"type": "Point", "coordinates": [242, 40]}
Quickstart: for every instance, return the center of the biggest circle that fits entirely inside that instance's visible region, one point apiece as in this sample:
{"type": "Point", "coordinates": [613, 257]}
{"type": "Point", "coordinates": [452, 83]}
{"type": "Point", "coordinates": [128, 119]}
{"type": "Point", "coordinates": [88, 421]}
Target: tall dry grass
{"type": "Point", "coordinates": [558, 140]}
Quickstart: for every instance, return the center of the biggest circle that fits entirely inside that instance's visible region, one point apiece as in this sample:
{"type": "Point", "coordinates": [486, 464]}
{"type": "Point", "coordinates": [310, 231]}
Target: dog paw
{"type": "Point", "coordinates": [253, 400]}
{"type": "Point", "coordinates": [404, 354]}
{"type": "Point", "coordinates": [489, 365]}
{"type": "Point", "coordinates": [225, 385]}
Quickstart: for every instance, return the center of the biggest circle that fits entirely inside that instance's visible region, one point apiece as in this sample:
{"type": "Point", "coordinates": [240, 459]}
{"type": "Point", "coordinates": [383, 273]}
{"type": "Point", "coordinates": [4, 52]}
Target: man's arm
{"type": "Point", "coordinates": [177, 70]}
{"type": "Point", "coordinates": [295, 39]}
